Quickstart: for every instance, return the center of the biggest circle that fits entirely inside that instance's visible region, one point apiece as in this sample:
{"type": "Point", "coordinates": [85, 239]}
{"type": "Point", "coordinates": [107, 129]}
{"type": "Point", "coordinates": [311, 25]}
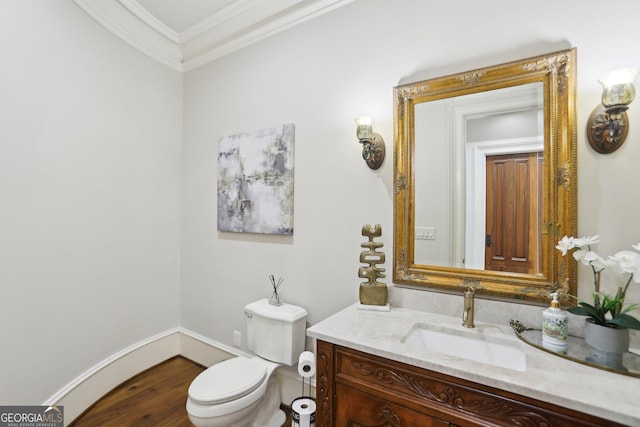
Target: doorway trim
{"type": "Point", "coordinates": [477, 153]}
{"type": "Point", "coordinates": [519, 98]}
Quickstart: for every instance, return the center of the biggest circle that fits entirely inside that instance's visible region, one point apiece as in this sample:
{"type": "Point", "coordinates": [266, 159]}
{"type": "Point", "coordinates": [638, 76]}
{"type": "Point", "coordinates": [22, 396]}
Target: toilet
{"type": "Point", "coordinates": [242, 391]}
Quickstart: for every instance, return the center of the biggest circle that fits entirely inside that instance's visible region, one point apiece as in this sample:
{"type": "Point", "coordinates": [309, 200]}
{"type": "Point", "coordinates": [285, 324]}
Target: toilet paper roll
{"type": "Point", "coordinates": [307, 364]}
{"type": "Point", "coordinates": [303, 412]}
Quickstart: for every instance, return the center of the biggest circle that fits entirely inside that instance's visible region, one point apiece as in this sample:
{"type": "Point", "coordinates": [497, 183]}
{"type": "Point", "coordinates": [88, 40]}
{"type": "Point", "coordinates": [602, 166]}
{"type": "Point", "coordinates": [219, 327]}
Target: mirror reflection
{"type": "Point", "coordinates": [485, 172]}
{"type": "Point", "coordinates": [485, 150]}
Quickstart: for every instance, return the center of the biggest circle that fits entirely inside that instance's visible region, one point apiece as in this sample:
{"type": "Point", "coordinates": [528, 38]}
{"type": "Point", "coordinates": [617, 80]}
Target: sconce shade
{"type": "Point", "coordinates": [618, 90]}
{"type": "Point", "coordinates": [608, 124]}
{"type": "Point", "coordinates": [618, 95]}
{"type": "Point", "coordinates": [623, 76]}
{"type": "Point", "coordinates": [364, 129]}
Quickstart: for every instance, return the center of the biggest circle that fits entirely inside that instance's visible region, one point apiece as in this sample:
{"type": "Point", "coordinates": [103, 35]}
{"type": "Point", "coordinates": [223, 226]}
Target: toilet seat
{"type": "Point", "coordinates": [227, 381]}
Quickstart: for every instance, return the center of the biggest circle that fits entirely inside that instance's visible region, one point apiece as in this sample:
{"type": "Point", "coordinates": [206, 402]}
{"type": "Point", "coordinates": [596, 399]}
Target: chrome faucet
{"type": "Point", "coordinates": [467, 313]}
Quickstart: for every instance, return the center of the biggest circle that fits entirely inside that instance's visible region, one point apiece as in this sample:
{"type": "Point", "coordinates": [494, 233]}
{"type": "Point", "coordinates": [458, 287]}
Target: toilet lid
{"type": "Point", "coordinates": [227, 380]}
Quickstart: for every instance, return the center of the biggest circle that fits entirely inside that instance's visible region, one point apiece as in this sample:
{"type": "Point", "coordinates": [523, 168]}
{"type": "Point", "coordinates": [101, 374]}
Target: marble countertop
{"type": "Point", "coordinates": [547, 377]}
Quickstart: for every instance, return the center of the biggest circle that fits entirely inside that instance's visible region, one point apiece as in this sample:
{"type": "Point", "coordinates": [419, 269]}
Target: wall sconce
{"type": "Point", "coordinates": [372, 143]}
{"type": "Point", "coordinates": [608, 124]}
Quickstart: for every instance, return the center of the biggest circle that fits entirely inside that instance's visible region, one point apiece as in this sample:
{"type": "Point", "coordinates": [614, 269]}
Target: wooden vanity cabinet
{"type": "Point", "coordinates": [356, 389]}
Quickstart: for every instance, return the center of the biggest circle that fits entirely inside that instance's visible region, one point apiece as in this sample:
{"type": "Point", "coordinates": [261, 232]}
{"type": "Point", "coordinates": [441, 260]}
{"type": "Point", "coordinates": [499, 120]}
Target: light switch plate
{"type": "Point", "coordinates": [425, 233]}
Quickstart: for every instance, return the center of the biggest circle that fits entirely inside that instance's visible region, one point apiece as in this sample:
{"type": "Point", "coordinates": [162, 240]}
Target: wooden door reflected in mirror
{"type": "Point", "coordinates": [513, 207]}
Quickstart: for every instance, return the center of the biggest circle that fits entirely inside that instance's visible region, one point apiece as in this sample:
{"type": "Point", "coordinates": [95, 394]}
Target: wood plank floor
{"type": "Point", "coordinates": [155, 397]}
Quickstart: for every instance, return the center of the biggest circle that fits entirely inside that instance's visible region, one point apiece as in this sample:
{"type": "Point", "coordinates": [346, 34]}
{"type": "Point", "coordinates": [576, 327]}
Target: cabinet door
{"type": "Point", "coordinates": [357, 409]}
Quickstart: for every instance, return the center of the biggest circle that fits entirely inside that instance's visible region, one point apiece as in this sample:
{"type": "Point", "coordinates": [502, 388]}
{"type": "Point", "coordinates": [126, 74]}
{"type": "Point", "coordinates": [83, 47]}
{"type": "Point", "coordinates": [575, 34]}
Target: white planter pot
{"type": "Point", "coordinates": [607, 344]}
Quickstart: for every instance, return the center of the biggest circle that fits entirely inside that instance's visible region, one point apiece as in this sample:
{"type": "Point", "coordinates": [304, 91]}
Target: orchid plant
{"type": "Point", "coordinates": [606, 310]}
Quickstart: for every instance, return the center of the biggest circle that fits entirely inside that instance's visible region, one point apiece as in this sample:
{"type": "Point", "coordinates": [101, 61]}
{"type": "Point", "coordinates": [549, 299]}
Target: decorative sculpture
{"type": "Point", "coordinates": [372, 292]}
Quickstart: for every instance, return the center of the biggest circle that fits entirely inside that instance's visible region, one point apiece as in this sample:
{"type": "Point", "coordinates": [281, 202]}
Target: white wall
{"type": "Point", "coordinates": [434, 153]}
{"type": "Point", "coordinates": [90, 134]}
{"type": "Point", "coordinates": [323, 74]}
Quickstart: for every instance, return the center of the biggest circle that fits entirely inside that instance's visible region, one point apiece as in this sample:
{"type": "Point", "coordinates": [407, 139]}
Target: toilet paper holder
{"type": "Point", "coordinates": [303, 408]}
{"type": "Point", "coordinates": [306, 365]}
{"type": "Point", "coordinates": [303, 412]}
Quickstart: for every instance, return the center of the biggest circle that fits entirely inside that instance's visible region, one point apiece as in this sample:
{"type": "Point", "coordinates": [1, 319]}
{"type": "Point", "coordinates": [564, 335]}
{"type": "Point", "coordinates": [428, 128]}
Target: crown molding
{"type": "Point", "coordinates": [151, 21]}
{"type": "Point", "coordinates": [123, 23]}
{"type": "Point", "coordinates": [238, 25]}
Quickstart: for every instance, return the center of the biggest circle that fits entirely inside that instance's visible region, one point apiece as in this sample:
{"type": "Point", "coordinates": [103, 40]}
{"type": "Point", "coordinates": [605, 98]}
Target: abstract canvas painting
{"type": "Point", "coordinates": [255, 181]}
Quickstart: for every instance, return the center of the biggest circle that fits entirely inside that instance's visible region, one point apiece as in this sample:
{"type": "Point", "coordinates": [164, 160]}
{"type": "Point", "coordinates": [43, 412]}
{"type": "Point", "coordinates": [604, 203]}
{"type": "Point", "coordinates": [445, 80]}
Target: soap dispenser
{"type": "Point", "coordinates": [555, 326]}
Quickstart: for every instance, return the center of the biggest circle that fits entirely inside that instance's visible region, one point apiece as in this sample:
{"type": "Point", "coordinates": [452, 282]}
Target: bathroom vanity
{"type": "Point", "coordinates": [386, 369]}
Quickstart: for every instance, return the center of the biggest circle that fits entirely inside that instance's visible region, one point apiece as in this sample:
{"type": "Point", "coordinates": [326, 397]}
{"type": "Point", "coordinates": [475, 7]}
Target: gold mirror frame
{"type": "Point", "coordinates": [556, 71]}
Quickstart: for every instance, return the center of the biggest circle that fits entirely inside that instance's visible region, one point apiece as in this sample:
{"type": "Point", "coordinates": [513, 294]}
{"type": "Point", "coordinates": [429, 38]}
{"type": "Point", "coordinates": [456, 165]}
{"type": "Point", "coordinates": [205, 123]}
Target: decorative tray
{"type": "Point", "coordinates": [578, 351]}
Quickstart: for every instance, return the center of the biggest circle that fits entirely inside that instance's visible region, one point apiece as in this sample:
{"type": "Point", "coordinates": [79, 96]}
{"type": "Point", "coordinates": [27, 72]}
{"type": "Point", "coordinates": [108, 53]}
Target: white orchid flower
{"type": "Point", "coordinates": [582, 242]}
{"type": "Point", "coordinates": [626, 261]}
{"type": "Point", "coordinates": [579, 254]}
{"type": "Point", "coordinates": [598, 262]}
{"type": "Point", "coordinates": [590, 258]}
{"type": "Point", "coordinates": [565, 244]}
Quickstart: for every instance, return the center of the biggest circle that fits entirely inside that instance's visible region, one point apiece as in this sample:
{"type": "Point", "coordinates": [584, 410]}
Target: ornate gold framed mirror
{"type": "Point", "coordinates": [485, 179]}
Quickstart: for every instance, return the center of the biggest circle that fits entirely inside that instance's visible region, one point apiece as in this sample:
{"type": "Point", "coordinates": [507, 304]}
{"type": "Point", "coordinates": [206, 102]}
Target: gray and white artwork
{"type": "Point", "coordinates": [255, 181]}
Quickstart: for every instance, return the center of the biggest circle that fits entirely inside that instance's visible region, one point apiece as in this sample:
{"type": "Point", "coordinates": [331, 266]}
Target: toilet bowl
{"type": "Point", "coordinates": [238, 392]}
{"type": "Point", "coordinates": [243, 391]}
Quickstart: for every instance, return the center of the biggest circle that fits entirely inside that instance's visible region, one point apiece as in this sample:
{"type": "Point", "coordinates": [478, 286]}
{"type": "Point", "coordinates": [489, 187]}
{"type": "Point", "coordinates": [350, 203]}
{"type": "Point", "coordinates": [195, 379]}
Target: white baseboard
{"type": "Point", "coordinates": [86, 389]}
{"type": "Point", "coordinates": [203, 350]}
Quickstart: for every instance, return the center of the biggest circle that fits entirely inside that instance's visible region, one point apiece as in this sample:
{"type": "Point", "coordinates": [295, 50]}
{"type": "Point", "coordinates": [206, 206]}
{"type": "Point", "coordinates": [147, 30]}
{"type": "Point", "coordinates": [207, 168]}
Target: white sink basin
{"type": "Point", "coordinates": [471, 345]}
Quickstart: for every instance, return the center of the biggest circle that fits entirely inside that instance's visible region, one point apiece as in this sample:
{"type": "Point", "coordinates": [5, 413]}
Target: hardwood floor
{"type": "Point", "coordinates": [155, 397]}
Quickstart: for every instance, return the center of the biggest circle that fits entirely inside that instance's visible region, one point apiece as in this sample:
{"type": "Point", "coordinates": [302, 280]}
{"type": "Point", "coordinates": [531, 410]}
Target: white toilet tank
{"type": "Point", "coordinates": [276, 332]}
